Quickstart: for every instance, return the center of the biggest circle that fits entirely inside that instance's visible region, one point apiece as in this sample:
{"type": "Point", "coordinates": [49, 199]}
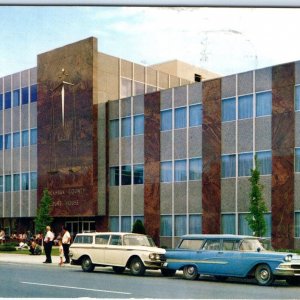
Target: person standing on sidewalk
{"type": "Point", "coordinates": [48, 243]}
{"type": "Point", "coordinates": [66, 242]}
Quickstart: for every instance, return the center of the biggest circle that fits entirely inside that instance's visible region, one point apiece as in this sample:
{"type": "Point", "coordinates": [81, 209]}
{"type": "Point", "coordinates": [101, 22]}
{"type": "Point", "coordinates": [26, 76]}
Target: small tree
{"type": "Point", "coordinates": [43, 216]}
{"type": "Point", "coordinates": [257, 207]}
{"type": "Point", "coordinates": [138, 227]}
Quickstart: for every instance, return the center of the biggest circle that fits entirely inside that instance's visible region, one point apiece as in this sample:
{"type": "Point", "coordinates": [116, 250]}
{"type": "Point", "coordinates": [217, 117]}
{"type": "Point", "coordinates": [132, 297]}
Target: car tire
{"type": "Point", "coordinates": [293, 280]}
{"type": "Point", "coordinates": [264, 275]}
{"type": "Point", "coordinates": [190, 272]}
{"type": "Point", "coordinates": [87, 265]}
{"type": "Point", "coordinates": [118, 270]}
{"type": "Point", "coordinates": [168, 272]}
{"type": "Point", "coordinates": [137, 267]}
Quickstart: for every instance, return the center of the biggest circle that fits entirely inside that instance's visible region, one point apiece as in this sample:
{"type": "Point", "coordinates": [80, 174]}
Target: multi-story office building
{"type": "Point", "coordinates": [115, 141]}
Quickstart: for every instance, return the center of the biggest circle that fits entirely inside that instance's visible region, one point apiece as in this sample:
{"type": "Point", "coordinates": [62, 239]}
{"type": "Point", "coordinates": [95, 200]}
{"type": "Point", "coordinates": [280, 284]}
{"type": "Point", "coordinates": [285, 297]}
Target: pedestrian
{"type": "Point", "coordinates": [2, 236]}
{"type": "Point", "coordinates": [61, 253]}
{"type": "Point", "coordinates": [66, 242]}
{"type": "Point", "coordinates": [48, 242]}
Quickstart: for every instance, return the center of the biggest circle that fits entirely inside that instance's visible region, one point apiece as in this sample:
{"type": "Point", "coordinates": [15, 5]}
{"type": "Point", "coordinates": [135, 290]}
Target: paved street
{"type": "Point", "coordinates": [43, 281]}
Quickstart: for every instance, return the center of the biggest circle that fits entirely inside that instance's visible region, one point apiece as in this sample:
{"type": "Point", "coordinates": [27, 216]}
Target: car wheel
{"type": "Point", "coordinates": [118, 270]}
{"type": "Point", "coordinates": [87, 265]}
{"type": "Point", "coordinates": [263, 275]}
{"type": "Point", "coordinates": [221, 278]}
{"type": "Point", "coordinates": [293, 280]}
{"type": "Point", "coordinates": [190, 272]}
{"type": "Point", "coordinates": [167, 272]}
{"type": "Point", "coordinates": [137, 267]}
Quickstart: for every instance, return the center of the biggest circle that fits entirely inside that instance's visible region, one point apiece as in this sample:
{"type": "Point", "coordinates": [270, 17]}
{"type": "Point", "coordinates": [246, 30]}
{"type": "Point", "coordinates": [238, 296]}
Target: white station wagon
{"type": "Point", "coordinates": [119, 250]}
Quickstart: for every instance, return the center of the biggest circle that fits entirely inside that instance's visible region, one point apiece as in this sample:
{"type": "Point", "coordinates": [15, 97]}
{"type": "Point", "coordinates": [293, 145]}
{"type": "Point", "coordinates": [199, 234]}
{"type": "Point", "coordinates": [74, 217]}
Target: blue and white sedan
{"type": "Point", "coordinates": [225, 256]}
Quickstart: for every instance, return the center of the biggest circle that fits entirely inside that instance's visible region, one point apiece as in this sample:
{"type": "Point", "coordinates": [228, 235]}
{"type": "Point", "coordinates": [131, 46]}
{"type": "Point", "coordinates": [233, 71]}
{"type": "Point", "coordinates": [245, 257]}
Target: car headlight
{"type": "Point", "coordinates": [154, 256]}
{"type": "Point", "coordinates": [288, 257]}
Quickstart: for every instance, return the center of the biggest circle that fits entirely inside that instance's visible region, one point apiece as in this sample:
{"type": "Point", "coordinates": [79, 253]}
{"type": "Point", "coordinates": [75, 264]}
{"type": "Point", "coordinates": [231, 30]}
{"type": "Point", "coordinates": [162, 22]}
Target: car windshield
{"type": "Point", "coordinates": [138, 240]}
{"type": "Point", "coordinates": [251, 245]}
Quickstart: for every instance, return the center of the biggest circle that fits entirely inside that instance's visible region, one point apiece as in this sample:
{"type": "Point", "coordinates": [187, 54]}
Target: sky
{"type": "Point", "coordinates": [223, 40]}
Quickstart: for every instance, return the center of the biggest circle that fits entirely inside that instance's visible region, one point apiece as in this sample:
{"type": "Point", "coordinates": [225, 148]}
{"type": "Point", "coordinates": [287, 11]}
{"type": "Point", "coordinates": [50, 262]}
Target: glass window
{"type": "Point", "coordinates": [126, 224]}
{"type": "Point", "coordinates": [228, 224]}
{"type": "Point", "coordinates": [180, 170]}
{"type": "Point", "coordinates": [166, 171]}
{"type": "Point", "coordinates": [114, 176]}
{"type": "Point", "coordinates": [195, 115]}
{"type": "Point", "coordinates": [228, 166]}
{"type": "Point", "coordinates": [33, 93]}
{"type": "Point", "coordinates": [166, 120]}
{"type": "Point", "coordinates": [25, 138]}
{"type": "Point", "coordinates": [25, 95]}
{"type": "Point", "coordinates": [126, 175]}
{"type": "Point", "coordinates": [166, 226]}
{"type": "Point", "coordinates": [33, 180]}
{"type": "Point", "coordinates": [138, 124]}
{"type": "Point", "coordinates": [1, 184]}
{"type": "Point", "coordinates": [212, 245]}
{"type": "Point", "coordinates": [16, 98]}
{"type": "Point", "coordinates": [245, 164]}
{"type": "Point", "coordinates": [102, 239]}
{"type": "Point", "coordinates": [297, 160]}
{"type": "Point", "coordinates": [7, 138]}
{"type": "Point", "coordinates": [138, 174]}
{"type": "Point", "coordinates": [264, 159]}
{"type": "Point", "coordinates": [126, 126]}
{"type": "Point", "coordinates": [195, 224]}
{"type": "Point", "coordinates": [33, 136]}
{"type": "Point", "coordinates": [16, 182]}
{"type": "Point", "coordinates": [268, 220]}
{"type": "Point", "coordinates": [125, 87]}
{"type": "Point", "coordinates": [228, 109]}
{"type": "Point", "coordinates": [1, 142]}
{"type": "Point", "coordinates": [7, 100]}
{"type": "Point", "coordinates": [180, 225]}
{"type": "Point", "coordinates": [151, 89]}
{"type": "Point", "coordinates": [1, 101]}
{"type": "Point", "coordinates": [245, 107]}
{"type": "Point", "coordinates": [263, 104]}
{"type": "Point", "coordinates": [25, 181]}
{"type": "Point", "coordinates": [16, 139]}
{"type": "Point", "coordinates": [139, 88]}
{"type": "Point", "coordinates": [114, 224]}
{"type": "Point", "coordinates": [244, 228]}
{"type": "Point", "coordinates": [114, 128]}
{"type": "Point", "coordinates": [180, 117]}
{"type": "Point", "coordinates": [195, 171]}
{"type": "Point", "coordinates": [297, 223]}
{"type": "Point", "coordinates": [7, 183]}
{"type": "Point", "coordinates": [297, 97]}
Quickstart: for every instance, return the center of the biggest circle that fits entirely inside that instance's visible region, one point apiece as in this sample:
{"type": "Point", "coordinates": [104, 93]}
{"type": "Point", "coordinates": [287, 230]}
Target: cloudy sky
{"type": "Point", "coordinates": [223, 40]}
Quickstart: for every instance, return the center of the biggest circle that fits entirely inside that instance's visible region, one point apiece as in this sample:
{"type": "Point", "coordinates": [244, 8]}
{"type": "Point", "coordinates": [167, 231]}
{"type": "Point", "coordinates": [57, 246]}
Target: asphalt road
{"type": "Point", "coordinates": [43, 281]}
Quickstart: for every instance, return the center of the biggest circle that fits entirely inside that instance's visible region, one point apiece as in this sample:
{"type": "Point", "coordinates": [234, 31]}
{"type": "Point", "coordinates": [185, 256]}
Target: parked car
{"type": "Point", "coordinates": [118, 250]}
{"type": "Point", "coordinates": [225, 256]}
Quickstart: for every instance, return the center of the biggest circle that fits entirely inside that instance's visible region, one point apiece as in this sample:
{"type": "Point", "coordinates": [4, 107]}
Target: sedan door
{"type": "Point", "coordinates": [114, 254]}
{"type": "Point", "coordinates": [99, 248]}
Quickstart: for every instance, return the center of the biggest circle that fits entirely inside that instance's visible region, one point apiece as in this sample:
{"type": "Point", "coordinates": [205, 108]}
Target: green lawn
{"type": "Point", "coordinates": [54, 252]}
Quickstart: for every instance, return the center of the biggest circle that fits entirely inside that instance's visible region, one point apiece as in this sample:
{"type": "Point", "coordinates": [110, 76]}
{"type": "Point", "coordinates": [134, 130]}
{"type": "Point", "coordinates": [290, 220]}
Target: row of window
{"type": "Point", "coordinates": [132, 88]}
{"type": "Point", "coordinates": [245, 164]}
{"type": "Point", "coordinates": [18, 97]}
{"type": "Point", "coordinates": [138, 126]}
{"type": "Point", "coordinates": [17, 182]}
{"type": "Point", "coordinates": [134, 174]}
{"type": "Point", "coordinates": [18, 139]}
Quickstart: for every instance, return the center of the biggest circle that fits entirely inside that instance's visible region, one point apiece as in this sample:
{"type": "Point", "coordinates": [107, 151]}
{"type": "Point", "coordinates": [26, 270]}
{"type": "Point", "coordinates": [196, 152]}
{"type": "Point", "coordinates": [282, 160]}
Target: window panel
{"type": "Point", "coordinates": [1, 184]}
{"type": "Point", "coordinates": [268, 219]}
{"type": "Point", "coordinates": [126, 175]}
{"type": "Point", "coordinates": [180, 170]}
{"type": "Point", "coordinates": [297, 160]}
{"type": "Point", "coordinates": [297, 97]}
{"type": "Point", "coordinates": [1, 142]}
{"type": "Point", "coordinates": [126, 87]}
{"type": "Point", "coordinates": [7, 100]}
{"type": "Point", "coordinates": [228, 166]}
{"type": "Point", "coordinates": [114, 128]}
{"type": "Point", "coordinates": [33, 180]}
{"type": "Point", "coordinates": [228, 109]}
{"type": "Point", "coordinates": [151, 89]}
{"type": "Point", "coordinates": [180, 225]}
{"type": "Point", "coordinates": [166, 171]}
{"type": "Point", "coordinates": [244, 228]}
{"type": "Point", "coordinates": [264, 159]}
{"type": "Point", "coordinates": [139, 88]}
{"type": "Point", "coordinates": [7, 138]}
{"type": "Point", "coordinates": [195, 117]}
{"type": "Point", "coordinates": [16, 139]}
{"type": "Point", "coordinates": [16, 98]}
{"type": "Point", "coordinates": [25, 95]}
{"type": "Point", "coordinates": [1, 101]}
{"type": "Point", "coordinates": [195, 171]}
{"type": "Point", "coordinates": [33, 136]}
{"type": "Point", "coordinates": [166, 226]}
{"type": "Point", "coordinates": [195, 224]}
{"type": "Point", "coordinates": [245, 104]}
{"type": "Point", "coordinates": [180, 117]}
{"type": "Point", "coordinates": [126, 126]}
{"type": "Point", "coordinates": [25, 181]}
{"type": "Point", "coordinates": [228, 224]}
{"type": "Point", "coordinates": [33, 93]}
{"type": "Point", "coordinates": [25, 138]}
{"type": "Point", "coordinates": [7, 183]}
{"type": "Point", "coordinates": [138, 174]}
{"type": "Point", "coordinates": [297, 224]}
{"type": "Point", "coordinates": [16, 182]}
{"type": "Point", "coordinates": [126, 224]}
{"type": "Point", "coordinates": [114, 176]}
{"type": "Point", "coordinates": [138, 124]}
{"type": "Point", "coordinates": [166, 120]}
{"type": "Point", "coordinates": [263, 104]}
{"type": "Point", "coordinates": [245, 164]}
{"type": "Point", "coordinates": [114, 224]}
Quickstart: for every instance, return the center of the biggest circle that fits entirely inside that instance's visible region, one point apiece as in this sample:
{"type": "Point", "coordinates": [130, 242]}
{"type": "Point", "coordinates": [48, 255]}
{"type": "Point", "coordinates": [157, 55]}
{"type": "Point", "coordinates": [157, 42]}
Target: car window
{"type": "Point", "coordinates": [138, 240]}
{"type": "Point", "coordinates": [83, 239]}
{"type": "Point", "coordinates": [191, 244]}
{"type": "Point", "coordinates": [115, 240]}
{"type": "Point", "coordinates": [101, 239]}
{"type": "Point", "coordinates": [212, 245]}
{"type": "Point", "coordinates": [230, 245]}
{"type": "Point", "coordinates": [251, 245]}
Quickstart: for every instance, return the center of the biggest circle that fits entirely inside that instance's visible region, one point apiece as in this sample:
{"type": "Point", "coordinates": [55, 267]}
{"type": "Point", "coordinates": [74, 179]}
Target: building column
{"type": "Point", "coordinates": [211, 157]}
{"type": "Point", "coordinates": [152, 165]}
{"type": "Point", "coordinates": [283, 145]}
